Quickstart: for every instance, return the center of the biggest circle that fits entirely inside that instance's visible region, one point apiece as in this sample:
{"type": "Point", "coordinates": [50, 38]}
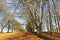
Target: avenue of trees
{"type": "Point", "coordinates": [40, 16]}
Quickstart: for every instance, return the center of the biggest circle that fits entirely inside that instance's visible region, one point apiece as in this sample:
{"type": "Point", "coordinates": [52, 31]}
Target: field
{"type": "Point", "coordinates": [28, 36]}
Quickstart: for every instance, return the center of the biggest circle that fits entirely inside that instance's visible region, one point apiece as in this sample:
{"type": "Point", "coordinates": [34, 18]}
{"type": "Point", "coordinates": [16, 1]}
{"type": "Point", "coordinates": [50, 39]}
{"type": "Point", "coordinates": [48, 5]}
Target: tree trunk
{"type": "Point", "coordinates": [50, 18]}
{"type": "Point", "coordinates": [8, 30]}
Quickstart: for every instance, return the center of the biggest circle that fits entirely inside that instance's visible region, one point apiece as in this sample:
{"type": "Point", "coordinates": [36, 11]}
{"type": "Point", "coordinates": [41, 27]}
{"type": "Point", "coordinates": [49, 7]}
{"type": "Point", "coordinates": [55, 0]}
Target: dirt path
{"type": "Point", "coordinates": [19, 36]}
{"type": "Point", "coordinates": [28, 36]}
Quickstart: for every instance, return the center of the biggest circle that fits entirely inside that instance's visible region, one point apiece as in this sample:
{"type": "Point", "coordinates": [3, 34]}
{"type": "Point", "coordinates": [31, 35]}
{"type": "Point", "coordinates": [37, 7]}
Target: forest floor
{"type": "Point", "coordinates": [28, 36]}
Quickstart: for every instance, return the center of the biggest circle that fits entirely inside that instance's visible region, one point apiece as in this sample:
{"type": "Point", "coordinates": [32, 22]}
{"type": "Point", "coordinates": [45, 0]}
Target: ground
{"type": "Point", "coordinates": [28, 36]}
{"type": "Point", "coordinates": [18, 36]}
{"type": "Point", "coordinates": [48, 36]}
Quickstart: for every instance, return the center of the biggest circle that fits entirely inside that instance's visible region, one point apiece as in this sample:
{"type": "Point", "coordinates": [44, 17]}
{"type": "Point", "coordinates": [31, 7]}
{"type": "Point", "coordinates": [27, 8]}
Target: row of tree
{"type": "Point", "coordinates": [8, 20]}
{"type": "Point", "coordinates": [40, 15]}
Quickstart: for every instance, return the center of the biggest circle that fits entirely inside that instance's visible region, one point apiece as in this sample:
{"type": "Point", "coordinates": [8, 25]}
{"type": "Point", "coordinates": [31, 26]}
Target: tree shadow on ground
{"type": "Point", "coordinates": [46, 38]}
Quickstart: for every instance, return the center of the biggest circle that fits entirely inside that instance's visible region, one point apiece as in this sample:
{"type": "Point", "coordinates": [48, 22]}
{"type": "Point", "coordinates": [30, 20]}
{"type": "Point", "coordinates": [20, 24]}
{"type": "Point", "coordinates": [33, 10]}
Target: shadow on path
{"type": "Point", "coordinates": [46, 38]}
